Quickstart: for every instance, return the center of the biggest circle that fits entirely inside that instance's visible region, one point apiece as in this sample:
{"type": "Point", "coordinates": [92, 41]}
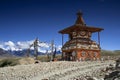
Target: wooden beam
{"type": "Point", "coordinates": [99, 38]}
{"type": "Point", "coordinates": [62, 44]}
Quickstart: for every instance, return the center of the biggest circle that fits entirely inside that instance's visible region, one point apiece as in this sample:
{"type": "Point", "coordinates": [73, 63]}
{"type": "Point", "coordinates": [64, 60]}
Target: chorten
{"type": "Point", "coordinates": [80, 46]}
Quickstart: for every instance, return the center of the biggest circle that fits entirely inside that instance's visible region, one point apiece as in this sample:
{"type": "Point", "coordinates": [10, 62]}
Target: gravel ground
{"type": "Point", "coordinates": [61, 70]}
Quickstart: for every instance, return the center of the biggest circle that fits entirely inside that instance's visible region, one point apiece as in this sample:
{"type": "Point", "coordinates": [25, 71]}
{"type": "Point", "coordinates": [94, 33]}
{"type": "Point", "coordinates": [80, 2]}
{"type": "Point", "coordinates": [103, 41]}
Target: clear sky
{"type": "Point", "coordinates": [22, 20]}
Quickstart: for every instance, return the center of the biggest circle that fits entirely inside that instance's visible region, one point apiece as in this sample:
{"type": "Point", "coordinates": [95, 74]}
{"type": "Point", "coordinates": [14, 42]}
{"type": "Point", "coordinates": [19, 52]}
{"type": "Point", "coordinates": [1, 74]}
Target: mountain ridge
{"type": "Point", "coordinates": [21, 53]}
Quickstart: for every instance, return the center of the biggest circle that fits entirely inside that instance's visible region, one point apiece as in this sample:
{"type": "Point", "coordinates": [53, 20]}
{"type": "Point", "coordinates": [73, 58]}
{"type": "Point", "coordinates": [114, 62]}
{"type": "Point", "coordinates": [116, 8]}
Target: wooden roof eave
{"type": "Point", "coordinates": [77, 28]}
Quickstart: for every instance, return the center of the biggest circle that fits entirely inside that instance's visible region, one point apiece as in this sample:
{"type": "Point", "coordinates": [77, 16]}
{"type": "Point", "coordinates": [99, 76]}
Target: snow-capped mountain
{"type": "Point", "coordinates": [4, 53]}
{"type": "Point", "coordinates": [20, 48]}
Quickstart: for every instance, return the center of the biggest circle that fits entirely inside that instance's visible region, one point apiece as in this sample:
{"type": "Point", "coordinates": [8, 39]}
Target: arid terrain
{"type": "Point", "coordinates": [61, 70]}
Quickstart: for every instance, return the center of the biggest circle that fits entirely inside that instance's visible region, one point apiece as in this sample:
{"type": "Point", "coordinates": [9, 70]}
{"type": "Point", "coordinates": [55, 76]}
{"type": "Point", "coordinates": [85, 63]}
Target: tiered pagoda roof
{"type": "Point", "coordinates": [80, 25]}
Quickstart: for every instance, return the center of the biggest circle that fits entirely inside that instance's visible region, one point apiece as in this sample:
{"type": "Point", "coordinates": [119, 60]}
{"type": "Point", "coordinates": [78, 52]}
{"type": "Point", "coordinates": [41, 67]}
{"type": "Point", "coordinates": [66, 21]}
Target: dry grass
{"type": "Point", "coordinates": [16, 61]}
{"type": "Point", "coordinates": [9, 62]}
{"type": "Point", "coordinates": [24, 61]}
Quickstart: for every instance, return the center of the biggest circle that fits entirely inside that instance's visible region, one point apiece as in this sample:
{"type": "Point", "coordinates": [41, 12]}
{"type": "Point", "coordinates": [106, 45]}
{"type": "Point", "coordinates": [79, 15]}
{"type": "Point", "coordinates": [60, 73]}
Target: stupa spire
{"type": "Point", "coordinates": [79, 20]}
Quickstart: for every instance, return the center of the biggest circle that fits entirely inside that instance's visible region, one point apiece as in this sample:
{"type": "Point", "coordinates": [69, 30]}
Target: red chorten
{"type": "Point", "coordinates": [80, 46]}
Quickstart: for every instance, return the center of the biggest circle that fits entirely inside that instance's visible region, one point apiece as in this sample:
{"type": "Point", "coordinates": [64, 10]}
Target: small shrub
{"type": "Point", "coordinates": [8, 62]}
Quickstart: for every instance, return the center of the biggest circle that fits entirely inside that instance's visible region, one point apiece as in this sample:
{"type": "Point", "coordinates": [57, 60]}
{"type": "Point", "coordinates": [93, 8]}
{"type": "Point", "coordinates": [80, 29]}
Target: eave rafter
{"type": "Point", "coordinates": [79, 28]}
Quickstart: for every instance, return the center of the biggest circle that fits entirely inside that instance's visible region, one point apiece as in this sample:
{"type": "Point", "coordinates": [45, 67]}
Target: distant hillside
{"type": "Point", "coordinates": [110, 53]}
{"type": "Point", "coordinates": [4, 53]}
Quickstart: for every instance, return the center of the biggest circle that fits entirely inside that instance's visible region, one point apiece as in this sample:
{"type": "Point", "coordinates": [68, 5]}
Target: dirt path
{"type": "Point", "coordinates": [54, 70]}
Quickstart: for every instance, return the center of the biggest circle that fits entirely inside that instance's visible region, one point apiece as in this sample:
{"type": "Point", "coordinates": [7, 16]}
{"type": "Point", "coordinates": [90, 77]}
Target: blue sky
{"type": "Point", "coordinates": [23, 20]}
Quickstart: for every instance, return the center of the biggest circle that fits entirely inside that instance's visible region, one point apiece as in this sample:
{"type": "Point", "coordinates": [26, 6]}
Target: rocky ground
{"type": "Point", "coordinates": [61, 70]}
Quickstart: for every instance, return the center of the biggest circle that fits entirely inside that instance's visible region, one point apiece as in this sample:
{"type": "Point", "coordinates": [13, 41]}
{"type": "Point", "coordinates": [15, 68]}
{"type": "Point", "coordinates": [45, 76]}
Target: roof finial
{"type": "Point", "coordinates": [79, 13]}
{"type": "Point", "coordinates": [79, 20]}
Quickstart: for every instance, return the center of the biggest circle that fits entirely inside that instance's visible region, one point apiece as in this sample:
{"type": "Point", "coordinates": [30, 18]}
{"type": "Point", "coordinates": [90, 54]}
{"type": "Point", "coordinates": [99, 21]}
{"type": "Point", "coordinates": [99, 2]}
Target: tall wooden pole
{"type": "Point", "coordinates": [36, 48]}
{"type": "Point", "coordinates": [62, 44]}
{"type": "Point", "coordinates": [76, 46]}
{"type": "Point", "coordinates": [99, 38]}
{"type": "Point", "coordinates": [52, 45]}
